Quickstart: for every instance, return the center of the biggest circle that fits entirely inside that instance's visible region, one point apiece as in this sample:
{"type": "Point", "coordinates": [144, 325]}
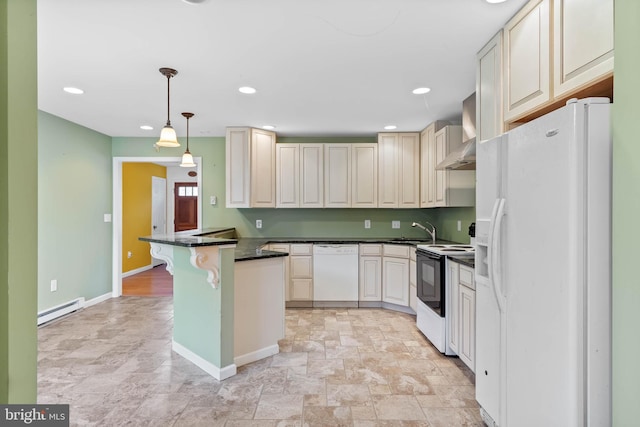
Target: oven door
{"type": "Point", "coordinates": [430, 280]}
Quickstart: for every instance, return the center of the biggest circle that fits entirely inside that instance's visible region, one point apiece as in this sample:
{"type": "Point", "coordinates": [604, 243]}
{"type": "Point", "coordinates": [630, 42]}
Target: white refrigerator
{"type": "Point", "coordinates": [543, 270]}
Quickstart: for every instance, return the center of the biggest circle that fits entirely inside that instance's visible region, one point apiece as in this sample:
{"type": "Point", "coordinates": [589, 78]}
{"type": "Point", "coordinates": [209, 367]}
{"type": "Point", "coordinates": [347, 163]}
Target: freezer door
{"type": "Point", "coordinates": [543, 271]}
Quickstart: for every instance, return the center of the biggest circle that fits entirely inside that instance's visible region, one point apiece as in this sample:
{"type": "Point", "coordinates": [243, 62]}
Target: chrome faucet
{"type": "Point", "coordinates": [431, 232]}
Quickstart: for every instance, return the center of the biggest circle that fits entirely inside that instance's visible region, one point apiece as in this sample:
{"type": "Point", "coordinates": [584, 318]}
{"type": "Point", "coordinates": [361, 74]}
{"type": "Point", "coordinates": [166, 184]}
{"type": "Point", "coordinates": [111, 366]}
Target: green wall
{"type": "Point", "coordinates": [18, 201]}
{"type": "Point", "coordinates": [297, 222]}
{"type": "Point", "coordinates": [74, 193]}
{"type": "Point", "coordinates": [626, 205]}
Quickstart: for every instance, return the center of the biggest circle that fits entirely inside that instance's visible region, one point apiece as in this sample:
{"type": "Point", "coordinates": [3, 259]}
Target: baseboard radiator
{"type": "Point", "coordinates": [60, 310]}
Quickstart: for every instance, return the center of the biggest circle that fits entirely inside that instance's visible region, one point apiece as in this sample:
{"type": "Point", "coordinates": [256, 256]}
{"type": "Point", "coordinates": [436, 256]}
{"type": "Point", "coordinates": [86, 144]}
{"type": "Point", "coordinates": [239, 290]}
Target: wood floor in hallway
{"type": "Point", "coordinates": [154, 282]}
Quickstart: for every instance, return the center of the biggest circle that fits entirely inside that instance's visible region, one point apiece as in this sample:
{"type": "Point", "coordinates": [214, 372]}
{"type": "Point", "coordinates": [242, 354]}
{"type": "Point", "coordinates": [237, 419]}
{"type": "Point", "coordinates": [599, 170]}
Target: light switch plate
{"type": "Point", "coordinates": [395, 224]}
{"type": "Point", "coordinates": [367, 223]}
{"type": "Point", "coordinates": [258, 223]}
{"type": "Point", "coordinates": [459, 225]}
{"type": "Point", "coordinates": [54, 285]}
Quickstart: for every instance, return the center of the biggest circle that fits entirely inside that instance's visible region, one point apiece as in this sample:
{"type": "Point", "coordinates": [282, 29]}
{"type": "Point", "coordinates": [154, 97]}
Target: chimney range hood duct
{"type": "Point", "coordinates": [464, 157]}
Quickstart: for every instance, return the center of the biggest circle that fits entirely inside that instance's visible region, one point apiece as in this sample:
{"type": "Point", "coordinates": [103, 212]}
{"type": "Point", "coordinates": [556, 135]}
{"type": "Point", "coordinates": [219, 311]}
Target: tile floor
{"type": "Point", "coordinates": [337, 367]}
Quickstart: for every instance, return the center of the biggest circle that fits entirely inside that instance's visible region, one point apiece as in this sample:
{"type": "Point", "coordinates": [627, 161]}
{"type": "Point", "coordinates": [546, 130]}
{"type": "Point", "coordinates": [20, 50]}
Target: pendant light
{"type": "Point", "coordinates": [168, 136]}
{"type": "Point", "coordinates": [187, 158]}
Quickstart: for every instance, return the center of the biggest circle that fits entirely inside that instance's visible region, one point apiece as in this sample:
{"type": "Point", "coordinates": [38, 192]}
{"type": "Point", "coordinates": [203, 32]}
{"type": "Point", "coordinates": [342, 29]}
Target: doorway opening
{"type": "Point", "coordinates": [171, 163]}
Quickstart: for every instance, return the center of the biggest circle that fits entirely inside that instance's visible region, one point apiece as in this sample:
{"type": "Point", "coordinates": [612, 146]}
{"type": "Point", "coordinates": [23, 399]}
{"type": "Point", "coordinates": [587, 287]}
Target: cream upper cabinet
{"type": "Point", "coordinates": [526, 66]}
{"type": "Point", "coordinates": [337, 175]}
{"type": "Point", "coordinates": [582, 42]}
{"type": "Point", "coordinates": [287, 175]}
{"type": "Point", "coordinates": [364, 175]}
{"type": "Point", "coordinates": [489, 122]}
{"type": "Point", "coordinates": [250, 168]}
{"type": "Point", "coordinates": [398, 170]}
{"type": "Point", "coordinates": [311, 175]}
{"type": "Point", "coordinates": [387, 170]}
{"type": "Point", "coordinates": [409, 170]}
{"type": "Point", "coordinates": [452, 187]}
{"type": "Point", "coordinates": [427, 166]}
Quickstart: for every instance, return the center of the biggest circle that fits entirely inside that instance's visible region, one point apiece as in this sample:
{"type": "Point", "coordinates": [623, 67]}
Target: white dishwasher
{"type": "Point", "coordinates": [335, 275]}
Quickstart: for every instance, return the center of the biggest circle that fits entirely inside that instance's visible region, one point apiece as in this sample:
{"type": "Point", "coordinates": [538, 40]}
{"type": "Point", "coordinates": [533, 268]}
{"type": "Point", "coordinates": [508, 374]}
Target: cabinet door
{"type": "Point", "coordinates": [283, 247]}
{"type": "Point", "coordinates": [263, 169]}
{"type": "Point", "coordinates": [370, 278]}
{"type": "Point", "coordinates": [427, 166]}
{"type": "Point", "coordinates": [582, 43]}
{"type": "Point", "coordinates": [527, 68]}
{"type": "Point", "coordinates": [388, 170]}
{"type": "Point", "coordinates": [413, 290]}
{"type": "Point", "coordinates": [395, 280]}
{"type": "Point", "coordinates": [453, 316]}
{"type": "Point", "coordinates": [467, 343]}
{"type": "Point", "coordinates": [408, 170]}
{"type": "Point", "coordinates": [311, 175]}
{"type": "Point", "coordinates": [301, 290]}
{"type": "Point", "coordinates": [238, 174]}
{"type": "Point", "coordinates": [364, 175]}
{"type": "Point", "coordinates": [287, 175]}
{"type": "Point", "coordinates": [489, 122]}
{"type": "Point", "coordinates": [440, 181]}
{"type": "Point", "coordinates": [337, 175]}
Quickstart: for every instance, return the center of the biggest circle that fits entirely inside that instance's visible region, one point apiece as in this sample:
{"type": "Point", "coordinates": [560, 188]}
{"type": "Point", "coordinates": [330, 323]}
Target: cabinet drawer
{"type": "Point", "coordinates": [398, 251]}
{"type": "Point", "coordinates": [466, 276]}
{"type": "Point", "coordinates": [278, 247]}
{"type": "Point", "coordinates": [371, 250]}
{"type": "Point", "coordinates": [301, 249]}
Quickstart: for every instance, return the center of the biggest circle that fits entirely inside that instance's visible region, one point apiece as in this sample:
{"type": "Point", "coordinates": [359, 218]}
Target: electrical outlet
{"type": "Point", "coordinates": [367, 223]}
{"type": "Point", "coordinates": [107, 217]}
{"type": "Point", "coordinates": [395, 224]}
{"type": "Point", "coordinates": [213, 200]}
{"type": "Point", "coordinates": [258, 223]}
{"type": "Point", "coordinates": [54, 285]}
{"type": "Point", "coordinates": [459, 225]}
{"type": "Point", "coordinates": [129, 254]}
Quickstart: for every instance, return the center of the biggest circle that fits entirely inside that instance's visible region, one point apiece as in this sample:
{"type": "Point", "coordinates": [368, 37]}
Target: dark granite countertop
{"type": "Point", "coordinates": [249, 248]}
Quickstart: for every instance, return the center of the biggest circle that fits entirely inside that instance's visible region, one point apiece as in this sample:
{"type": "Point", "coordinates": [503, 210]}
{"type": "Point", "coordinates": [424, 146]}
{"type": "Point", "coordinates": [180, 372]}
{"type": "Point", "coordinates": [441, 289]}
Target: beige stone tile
{"type": "Point", "coordinates": [363, 413]}
{"type": "Point", "coordinates": [315, 399]}
{"type": "Point", "coordinates": [327, 416]}
{"type": "Point", "coordinates": [348, 395]}
{"type": "Point", "coordinates": [394, 407]}
{"type": "Point", "coordinates": [325, 368]}
{"type": "Point", "coordinates": [379, 389]}
{"type": "Point", "coordinates": [279, 406]}
{"type": "Point", "coordinates": [451, 417]}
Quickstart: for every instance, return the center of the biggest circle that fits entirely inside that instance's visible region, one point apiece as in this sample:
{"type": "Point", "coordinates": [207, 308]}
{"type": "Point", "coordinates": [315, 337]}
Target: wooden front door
{"type": "Point", "coordinates": [185, 196]}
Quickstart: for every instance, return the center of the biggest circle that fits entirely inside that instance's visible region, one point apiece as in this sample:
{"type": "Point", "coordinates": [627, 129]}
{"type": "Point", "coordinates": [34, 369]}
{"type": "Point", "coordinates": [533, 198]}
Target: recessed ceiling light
{"type": "Point", "coordinates": [390, 127]}
{"type": "Point", "coordinates": [495, 1]}
{"type": "Point", "coordinates": [421, 90]}
{"type": "Point", "coordinates": [268, 127]}
{"type": "Point", "coordinates": [194, 1]}
{"type": "Point", "coordinates": [73, 90]}
{"type": "Point", "coordinates": [247, 89]}
{"type": "Point", "coordinates": [146, 127]}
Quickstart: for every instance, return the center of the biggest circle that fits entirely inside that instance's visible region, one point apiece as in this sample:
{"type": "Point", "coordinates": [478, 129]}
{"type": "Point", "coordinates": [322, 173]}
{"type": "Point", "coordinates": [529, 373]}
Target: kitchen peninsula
{"type": "Point", "coordinates": [225, 315]}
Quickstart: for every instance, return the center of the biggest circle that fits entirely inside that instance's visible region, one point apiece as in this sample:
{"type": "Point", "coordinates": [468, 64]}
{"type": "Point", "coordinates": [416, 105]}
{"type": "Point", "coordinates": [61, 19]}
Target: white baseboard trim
{"type": "Point", "coordinates": [60, 310]}
{"type": "Point", "coordinates": [211, 369]}
{"type": "Point", "coordinates": [243, 359]}
{"type": "Point", "coordinates": [97, 300]}
{"type": "Point", "coordinates": [137, 270]}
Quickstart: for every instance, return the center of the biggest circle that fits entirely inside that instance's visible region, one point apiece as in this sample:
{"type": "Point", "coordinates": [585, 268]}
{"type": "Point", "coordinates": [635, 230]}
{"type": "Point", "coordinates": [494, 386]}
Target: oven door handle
{"type": "Point", "coordinates": [429, 255]}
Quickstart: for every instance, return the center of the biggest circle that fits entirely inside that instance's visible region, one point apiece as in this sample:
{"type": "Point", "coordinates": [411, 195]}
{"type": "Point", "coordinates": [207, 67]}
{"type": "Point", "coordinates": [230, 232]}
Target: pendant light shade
{"type": "Point", "coordinates": [168, 136]}
{"type": "Point", "coordinates": [187, 158]}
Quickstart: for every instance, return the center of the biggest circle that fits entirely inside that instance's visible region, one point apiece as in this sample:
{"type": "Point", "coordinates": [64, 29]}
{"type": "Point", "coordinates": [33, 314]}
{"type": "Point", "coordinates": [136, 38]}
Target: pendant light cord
{"type": "Point", "coordinates": [168, 99]}
{"type": "Point", "coordinates": [187, 134]}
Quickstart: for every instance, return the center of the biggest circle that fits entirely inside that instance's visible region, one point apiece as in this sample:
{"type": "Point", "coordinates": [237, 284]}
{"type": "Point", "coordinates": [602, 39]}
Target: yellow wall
{"type": "Point", "coordinates": [136, 212]}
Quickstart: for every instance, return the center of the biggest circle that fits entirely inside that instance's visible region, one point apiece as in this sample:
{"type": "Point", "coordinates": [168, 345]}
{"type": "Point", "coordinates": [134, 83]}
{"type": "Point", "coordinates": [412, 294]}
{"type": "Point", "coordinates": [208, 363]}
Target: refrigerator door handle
{"type": "Point", "coordinates": [490, 237]}
{"type": "Point", "coordinates": [495, 266]}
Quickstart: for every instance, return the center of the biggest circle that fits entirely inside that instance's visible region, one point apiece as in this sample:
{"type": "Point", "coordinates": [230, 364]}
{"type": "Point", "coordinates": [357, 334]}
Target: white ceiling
{"type": "Point", "coordinates": [320, 67]}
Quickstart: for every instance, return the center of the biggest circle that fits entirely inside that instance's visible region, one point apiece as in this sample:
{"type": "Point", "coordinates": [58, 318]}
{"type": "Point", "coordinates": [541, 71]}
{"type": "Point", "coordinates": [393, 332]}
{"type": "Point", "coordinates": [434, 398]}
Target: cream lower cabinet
{"type": "Point", "coordinates": [283, 247]}
{"type": "Point", "coordinates": [370, 273]}
{"type": "Point", "coordinates": [250, 168]}
{"type": "Point", "coordinates": [467, 317]}
{"type": "Point", "coordinates": [301, 275]}
{"type": "Point", "coordinates": [395, 274]}
{"type": "Point", "coordinates": [453, 316]}
{"type": "Point", "coordinates": [413, 289]}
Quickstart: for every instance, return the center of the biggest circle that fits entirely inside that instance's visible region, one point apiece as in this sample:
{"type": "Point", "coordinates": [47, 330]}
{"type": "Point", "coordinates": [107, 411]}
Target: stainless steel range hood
{"type": "Point", "coordinates": [464, 157]}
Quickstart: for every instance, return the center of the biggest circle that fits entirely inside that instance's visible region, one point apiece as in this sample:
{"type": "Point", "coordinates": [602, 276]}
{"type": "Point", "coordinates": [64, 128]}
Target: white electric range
{"type": "Point", "coordinates": [433, 288]}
